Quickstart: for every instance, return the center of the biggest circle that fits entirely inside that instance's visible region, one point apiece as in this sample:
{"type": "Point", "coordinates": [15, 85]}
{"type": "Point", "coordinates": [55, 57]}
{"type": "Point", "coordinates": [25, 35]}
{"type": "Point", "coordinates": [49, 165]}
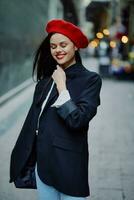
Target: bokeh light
{"type": "Point", "coordinates": [112, 44]}
{"type": "Point", "coordinates": [99, 35]}
{"type": "Point", "coordinates": [124, 39]}
{"type": "Point", "coordinates": [106, 32]}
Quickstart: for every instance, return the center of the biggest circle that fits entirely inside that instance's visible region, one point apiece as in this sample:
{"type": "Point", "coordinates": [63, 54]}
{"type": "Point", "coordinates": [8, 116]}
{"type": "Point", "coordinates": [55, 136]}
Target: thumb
{"type": "Point", "coordinates": [57, 66]}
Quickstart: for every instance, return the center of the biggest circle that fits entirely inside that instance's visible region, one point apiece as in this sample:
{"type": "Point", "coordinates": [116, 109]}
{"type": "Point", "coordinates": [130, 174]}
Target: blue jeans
{"type": "Point", "coordinates": [46, 192]}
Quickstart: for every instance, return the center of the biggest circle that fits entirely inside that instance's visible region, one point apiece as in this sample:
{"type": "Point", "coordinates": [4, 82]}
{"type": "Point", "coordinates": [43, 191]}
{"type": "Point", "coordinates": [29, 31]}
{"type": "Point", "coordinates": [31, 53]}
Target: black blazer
{"type": "Point", "coordinates": [61, 145]}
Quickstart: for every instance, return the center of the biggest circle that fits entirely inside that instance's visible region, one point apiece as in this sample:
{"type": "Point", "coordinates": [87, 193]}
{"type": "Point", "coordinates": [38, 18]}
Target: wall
{"type": "Point", "coordinates": [21, 30]}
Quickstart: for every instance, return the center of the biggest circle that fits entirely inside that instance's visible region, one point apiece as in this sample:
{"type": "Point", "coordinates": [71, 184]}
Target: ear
{"type": "Point", "coordinates": [76, 48]}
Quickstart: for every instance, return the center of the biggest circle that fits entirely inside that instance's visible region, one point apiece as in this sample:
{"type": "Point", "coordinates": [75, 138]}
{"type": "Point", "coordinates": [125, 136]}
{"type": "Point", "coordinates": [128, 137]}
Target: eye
{"type": "Point", "coordinates": [52, 46]}
{"type": "Point", "coordinates": [63, 45]}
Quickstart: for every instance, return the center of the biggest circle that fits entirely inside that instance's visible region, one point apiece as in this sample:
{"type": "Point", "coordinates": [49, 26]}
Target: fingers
{"type": "Point", "coordinates": [58, 71]}
{"type": "Point", "coordinates": [59, 68]}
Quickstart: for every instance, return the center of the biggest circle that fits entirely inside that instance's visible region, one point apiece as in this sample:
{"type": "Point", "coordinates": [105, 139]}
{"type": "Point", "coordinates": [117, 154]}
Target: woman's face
{"type": "Point", "coordinates": [62, 50]}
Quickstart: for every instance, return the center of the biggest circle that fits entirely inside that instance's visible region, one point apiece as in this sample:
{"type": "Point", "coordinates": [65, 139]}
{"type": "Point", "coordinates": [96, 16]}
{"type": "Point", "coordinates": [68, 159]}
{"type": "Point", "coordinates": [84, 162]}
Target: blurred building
{"type": "Point", "coordinates": [104, 13]}
{"type": "Point", "coordinates": [22, 29]}
{"type": "Point", "coordinates": [127, 15]}
{"type": "Point", "coordinates": [113, 34]}
{"type": "Point", "coordinates": [98, 13]}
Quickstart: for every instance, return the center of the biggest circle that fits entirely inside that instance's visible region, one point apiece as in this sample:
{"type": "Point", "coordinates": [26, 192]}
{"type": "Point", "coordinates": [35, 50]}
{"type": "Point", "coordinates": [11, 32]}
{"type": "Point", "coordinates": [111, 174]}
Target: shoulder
{"type": "Point", "coordinates": [40, 86]}
{"type": "Point", "coordinates": [42, 82]}
{"type": "Point", "coordinates": [95, 77]}
{"type": "Point", "coordinates": [91, 76]}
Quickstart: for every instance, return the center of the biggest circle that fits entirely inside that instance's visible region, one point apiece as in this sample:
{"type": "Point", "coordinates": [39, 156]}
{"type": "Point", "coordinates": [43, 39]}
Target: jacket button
{"type": "Point", "coordinates": [36, 132]}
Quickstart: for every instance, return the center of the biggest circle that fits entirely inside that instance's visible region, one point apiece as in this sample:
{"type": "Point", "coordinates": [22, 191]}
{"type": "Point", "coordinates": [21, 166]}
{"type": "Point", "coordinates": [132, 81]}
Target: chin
{"type": "Point", "coordinates": [61, 63]}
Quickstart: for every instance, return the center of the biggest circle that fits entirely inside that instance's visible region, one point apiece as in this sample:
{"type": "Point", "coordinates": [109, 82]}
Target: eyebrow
{"type": "Point", "coordinates": [60, 42]}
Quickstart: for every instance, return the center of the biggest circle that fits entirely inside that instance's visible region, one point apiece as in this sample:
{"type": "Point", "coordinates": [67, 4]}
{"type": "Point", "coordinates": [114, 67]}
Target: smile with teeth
{"type": "Point", "coordinates": [60, 56]}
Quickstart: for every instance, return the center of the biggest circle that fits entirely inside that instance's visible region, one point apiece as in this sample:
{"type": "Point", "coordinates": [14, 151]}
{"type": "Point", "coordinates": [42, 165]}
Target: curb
{"type": "Point", "coordinates": [6, 97]}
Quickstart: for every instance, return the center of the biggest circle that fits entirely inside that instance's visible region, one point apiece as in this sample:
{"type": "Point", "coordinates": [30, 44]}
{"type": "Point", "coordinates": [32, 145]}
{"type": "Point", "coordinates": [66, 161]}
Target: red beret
{"type": "Point", "coordinates": [68, 29]}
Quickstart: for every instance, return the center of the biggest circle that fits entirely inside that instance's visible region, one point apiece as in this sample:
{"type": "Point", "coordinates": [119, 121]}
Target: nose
{"type": "Point", "coordinates": [58, 49]}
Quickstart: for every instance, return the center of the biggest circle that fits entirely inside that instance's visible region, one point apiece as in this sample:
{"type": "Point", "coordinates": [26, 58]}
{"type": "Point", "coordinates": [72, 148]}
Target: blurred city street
{"type": "Point", "coordinates": [111, 138]}
{"type": "Point", "coordinates": [109, 27]}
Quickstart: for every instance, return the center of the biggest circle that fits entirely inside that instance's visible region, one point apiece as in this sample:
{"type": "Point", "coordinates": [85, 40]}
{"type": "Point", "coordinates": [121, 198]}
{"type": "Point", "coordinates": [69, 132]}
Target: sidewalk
{"type": "Point", "coordinates": [111, 144]}
{"type": "Point", "coordinates": [111, 137]}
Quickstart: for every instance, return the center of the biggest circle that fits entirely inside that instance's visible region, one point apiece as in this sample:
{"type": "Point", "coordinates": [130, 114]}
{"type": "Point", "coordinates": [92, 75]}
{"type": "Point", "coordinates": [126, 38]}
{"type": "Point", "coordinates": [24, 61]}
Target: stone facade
{"type": "Point", "coordinates": [21, 30]}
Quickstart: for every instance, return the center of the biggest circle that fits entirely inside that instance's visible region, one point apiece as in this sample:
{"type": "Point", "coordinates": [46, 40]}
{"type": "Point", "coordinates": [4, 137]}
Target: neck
{"type": "Point", "coordinates": [68, 64]}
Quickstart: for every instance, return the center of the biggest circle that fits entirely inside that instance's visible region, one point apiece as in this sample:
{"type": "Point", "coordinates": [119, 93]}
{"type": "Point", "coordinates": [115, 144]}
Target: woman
{"type": "Point", "coordinates": [54, 135]}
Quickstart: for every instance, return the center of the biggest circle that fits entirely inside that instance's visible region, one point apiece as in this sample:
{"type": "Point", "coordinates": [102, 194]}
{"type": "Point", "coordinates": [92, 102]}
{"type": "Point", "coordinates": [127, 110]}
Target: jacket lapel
{"type": "Point", "coordinates": [53, 96]}
{"type": "Point", "coordinates": [43, 89]}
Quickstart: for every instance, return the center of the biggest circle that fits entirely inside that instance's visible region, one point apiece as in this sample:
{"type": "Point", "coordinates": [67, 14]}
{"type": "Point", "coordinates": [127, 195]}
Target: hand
{"type": "Point", "coordinates": [59, 78]}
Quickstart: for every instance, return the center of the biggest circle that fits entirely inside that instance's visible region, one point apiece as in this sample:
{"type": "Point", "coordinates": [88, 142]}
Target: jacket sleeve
{"type": "Point", "coordinates": [77, 115]}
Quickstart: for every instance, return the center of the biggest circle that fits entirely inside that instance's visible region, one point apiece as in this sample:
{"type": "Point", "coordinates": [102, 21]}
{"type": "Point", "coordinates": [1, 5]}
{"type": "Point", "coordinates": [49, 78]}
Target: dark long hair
{"type": "Point", "coordinates": [44, 64]}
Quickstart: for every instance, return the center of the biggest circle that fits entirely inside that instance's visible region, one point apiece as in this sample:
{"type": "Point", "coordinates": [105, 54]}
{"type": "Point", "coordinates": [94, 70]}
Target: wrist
{"type": "Point", "coordinates": [61, 88]}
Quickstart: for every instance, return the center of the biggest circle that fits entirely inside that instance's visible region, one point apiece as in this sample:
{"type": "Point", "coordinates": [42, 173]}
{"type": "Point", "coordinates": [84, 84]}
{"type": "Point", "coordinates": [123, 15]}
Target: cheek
{"type": "Point", "coordinates": [52, 52]}
{"type": "Point", "coordinates": [71, 53]}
